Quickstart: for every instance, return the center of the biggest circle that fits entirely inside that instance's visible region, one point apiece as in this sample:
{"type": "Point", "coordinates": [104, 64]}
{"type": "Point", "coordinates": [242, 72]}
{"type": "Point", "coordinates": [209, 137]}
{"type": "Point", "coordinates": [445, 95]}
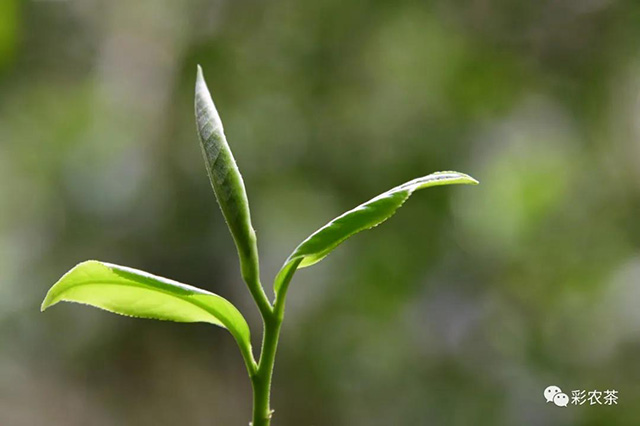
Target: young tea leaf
{"type": "Point", "coordinates": [365, 216]}
{"type": "Point", "coordinates": [226, 179]}
{"type": "Point", "coordinates": [128, 291]}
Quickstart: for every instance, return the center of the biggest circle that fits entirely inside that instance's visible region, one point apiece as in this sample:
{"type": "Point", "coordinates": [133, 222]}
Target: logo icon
{"type": "Point", "coordinates": [580, 397]}
{"type": "Point", "coordinates": [550, 392]}
{"type": "Point", "coordinates": [561, 399]}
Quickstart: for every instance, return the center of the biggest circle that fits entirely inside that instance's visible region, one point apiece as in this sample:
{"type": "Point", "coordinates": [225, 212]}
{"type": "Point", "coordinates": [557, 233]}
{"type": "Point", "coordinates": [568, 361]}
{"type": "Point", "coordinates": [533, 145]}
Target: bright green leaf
{"type": "Point", "coordinates": [128, 291]}
{"type": "Point", "coordinates": [365, 216]}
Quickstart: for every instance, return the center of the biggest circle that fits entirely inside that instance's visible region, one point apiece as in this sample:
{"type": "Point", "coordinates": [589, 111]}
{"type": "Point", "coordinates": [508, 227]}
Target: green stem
{"type": "Point", "coordinates": [250, 268]}
{"type": "Point", "coordinates": [261, 380]}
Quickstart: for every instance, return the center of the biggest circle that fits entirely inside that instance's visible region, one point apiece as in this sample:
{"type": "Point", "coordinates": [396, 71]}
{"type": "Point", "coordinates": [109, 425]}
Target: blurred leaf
{"type": "Point", "coordinates": [9, 22]}
{"type": "Point", "coordinates": [365, 216]}
{"type": "Point", "coordinates": [130, 292]}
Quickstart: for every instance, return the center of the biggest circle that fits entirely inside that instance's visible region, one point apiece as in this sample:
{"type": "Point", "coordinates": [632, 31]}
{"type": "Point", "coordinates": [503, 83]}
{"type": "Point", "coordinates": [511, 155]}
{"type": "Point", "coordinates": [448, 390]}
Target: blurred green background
{"type": "Point", "coordinates": [458, 311]}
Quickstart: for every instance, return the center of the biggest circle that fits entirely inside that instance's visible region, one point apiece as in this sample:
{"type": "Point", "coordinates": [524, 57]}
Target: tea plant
{"type": "Point", "coordinates": [135, 293]}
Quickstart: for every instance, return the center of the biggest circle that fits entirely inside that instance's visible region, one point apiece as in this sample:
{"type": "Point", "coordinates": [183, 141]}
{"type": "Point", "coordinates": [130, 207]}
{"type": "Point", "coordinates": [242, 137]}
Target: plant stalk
{"type": "Point", "coordinates": [250, 269]}
{"type": "Point", "coordinates": [261, 381]}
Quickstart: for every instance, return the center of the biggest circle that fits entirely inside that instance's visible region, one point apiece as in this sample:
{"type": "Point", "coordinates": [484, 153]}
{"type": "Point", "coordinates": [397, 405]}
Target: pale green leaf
{"type": "Point", "coordinates": [365, 216]}
{"type": "Point", "coordinates": [225, 178]}
{"type": "Point", "coordinates": [127, 291]}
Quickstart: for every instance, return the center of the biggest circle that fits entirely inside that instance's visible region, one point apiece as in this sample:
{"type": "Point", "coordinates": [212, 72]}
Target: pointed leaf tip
{"type": "Point", "coordinates": [199, 73]}
{"type": "Point", "coordinates": [367, 215]}
{"type": "Point", "coordinates": [131, 292]}
{"type": "Point", "coordinates": [225, 178]}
